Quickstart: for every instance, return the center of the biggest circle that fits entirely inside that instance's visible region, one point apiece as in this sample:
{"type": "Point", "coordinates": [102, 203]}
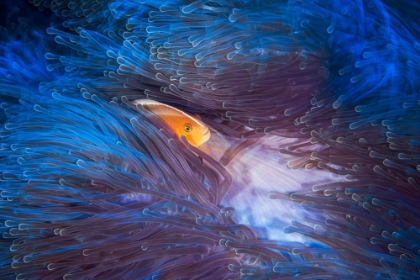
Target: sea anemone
{"type": "Point", "coordinates": [311, 172]}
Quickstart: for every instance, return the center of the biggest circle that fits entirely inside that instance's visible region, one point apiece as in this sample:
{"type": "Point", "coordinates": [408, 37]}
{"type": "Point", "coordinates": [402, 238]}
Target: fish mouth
{"type": "Point", "coordinates": [206, 136]}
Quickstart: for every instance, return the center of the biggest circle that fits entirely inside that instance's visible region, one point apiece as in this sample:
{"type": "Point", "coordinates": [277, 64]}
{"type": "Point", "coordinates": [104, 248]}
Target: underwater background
{"type": "Point", "coordinates": [311, 172]}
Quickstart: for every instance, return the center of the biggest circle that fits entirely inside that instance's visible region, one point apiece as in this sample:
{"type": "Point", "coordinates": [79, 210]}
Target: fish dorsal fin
{"type": "Point", "coordinates": [151, 103]}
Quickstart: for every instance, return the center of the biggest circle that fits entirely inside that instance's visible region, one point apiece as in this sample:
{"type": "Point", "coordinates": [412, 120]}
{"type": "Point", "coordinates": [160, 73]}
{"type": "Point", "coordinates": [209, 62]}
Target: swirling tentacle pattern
{"type": "Point", "coordinates": [311, 170]}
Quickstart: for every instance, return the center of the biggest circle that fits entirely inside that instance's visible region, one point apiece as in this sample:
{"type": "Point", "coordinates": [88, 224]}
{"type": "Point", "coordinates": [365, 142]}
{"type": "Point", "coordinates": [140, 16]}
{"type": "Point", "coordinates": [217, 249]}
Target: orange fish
{"type": "Point", "coordinates": [196, 132]}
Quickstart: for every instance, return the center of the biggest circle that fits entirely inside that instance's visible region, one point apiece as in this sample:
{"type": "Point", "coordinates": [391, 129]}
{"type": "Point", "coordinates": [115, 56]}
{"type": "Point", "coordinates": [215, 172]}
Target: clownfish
{"type": "Point", "coordinates": [196, 132]}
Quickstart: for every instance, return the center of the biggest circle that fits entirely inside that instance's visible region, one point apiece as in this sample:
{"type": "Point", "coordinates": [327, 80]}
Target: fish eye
{"type": "Point", "coordinates": [188, 127]}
